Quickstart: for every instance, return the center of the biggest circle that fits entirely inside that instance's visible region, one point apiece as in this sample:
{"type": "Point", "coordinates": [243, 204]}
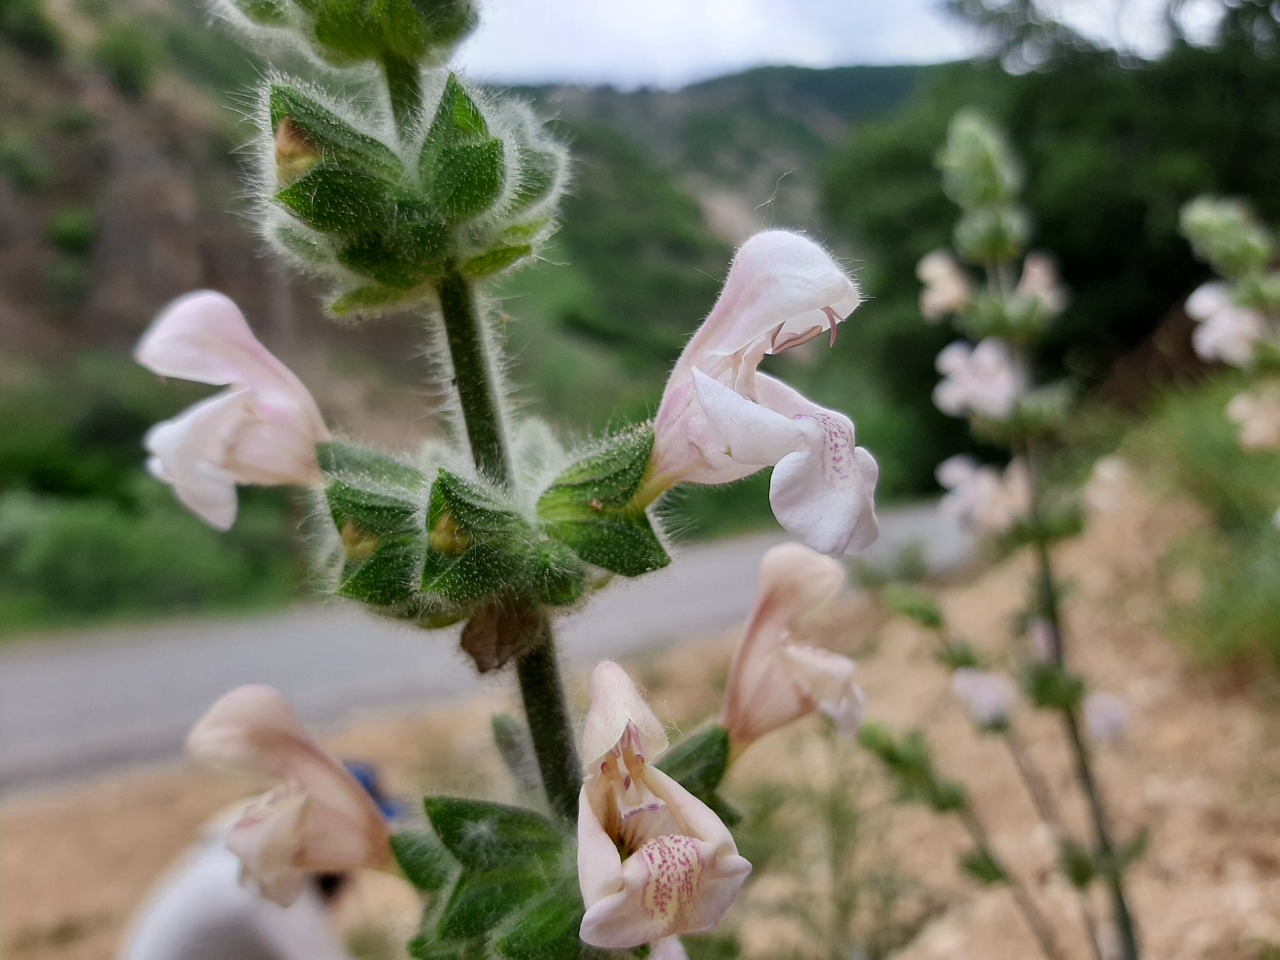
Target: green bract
{"type": "Point", "coordinates": [590, 507]}
{"type": "Point", "coordinates": [468, 200]}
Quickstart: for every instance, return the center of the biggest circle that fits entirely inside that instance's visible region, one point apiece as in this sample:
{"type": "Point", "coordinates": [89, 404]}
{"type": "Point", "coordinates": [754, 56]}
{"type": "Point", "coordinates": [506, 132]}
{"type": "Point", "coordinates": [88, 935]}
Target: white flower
{"type": "Point", "coordinates": [946, 285]}
{"type": "Point", "coordinates": [653, 860]}
{"type": "Point", "coordinates": [1108, 485]}
{"type": "Point", "coordinates": [983, 380]}
{"type": "Point", "coordinates": [774, 680]}
{"type": "Point", "coordinates": [319, 820]}
{"type": "Point", "coordinates": [1225, 331]}
{"type": "Point", "coordinates": [981, 497]}
{"type": "Point", "coordinates": [263, 430]}
{"type": "Point", "coordinates": [1257, 415]}
{"type": "Point", "coordinates": [720, 420]}
{"type": "Point", "coordinates": [1106, 716]}
{"type": "Point", "coordinates": [1039, 283]}
{"type": "Point", "coordinates": [989, 696]}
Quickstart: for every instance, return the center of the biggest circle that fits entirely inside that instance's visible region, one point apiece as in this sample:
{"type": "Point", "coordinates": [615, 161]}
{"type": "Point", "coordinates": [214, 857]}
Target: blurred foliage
{"type": "Point", "coordinates": [1112, 150]}
{"type": "Point", "coordinates": [25, 24]}
{"type": "Point", "coordinates": [127, 55]}
{"type": "Point", "coordinates": [73, 230]}
{"type": "Point", "coordinates": [1187, 446]}
{"type": "Point", "coordinates": [85, 534]}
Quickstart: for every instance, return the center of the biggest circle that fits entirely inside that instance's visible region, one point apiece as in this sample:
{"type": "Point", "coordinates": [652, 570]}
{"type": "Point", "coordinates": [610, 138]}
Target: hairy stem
{"type": "Point", "coordinates": [1051, 611]}
{"type": "Point", "coordinates": [547, 710]}
{"type": "Point", "coordinates": [1022, 897]}
{"type": "Point", "coordinates": [404, 87]}
{"type": "Point", "coordinates": [537, 668]}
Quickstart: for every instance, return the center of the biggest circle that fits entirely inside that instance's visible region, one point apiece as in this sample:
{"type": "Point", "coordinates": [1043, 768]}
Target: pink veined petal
{"type": "Point", "coordinates": [615, 702]}
{"type": "Point", "coordinates": [823, 494]}
{"type": "Point", "coordinates": [189, 453]}
{"type": "Point", "coordinates": [748, 433]}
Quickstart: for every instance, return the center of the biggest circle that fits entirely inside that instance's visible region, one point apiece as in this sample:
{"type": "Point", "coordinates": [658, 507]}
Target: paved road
{"type": "Point", "coordinates": [99, 701]}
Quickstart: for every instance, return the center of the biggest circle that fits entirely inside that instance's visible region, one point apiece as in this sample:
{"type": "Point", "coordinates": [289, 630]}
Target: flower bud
{"type": "Point", "coordinates": [1226, 234]}
{"type": "Point", "coordinates": [978, 168]}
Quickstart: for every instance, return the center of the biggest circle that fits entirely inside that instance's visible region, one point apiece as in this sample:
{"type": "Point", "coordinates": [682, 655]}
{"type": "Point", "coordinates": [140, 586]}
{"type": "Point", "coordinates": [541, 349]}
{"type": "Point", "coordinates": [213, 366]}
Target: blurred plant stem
{"type": "Point", "coordinates": [1050, 610]}
{"type": "Point", "coordinates": [1042, 799]}
{"type": "Point", "coordinates": [1036, 920]}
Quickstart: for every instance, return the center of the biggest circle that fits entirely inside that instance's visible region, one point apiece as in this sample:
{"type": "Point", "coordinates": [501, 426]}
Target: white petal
{"type": "Point", "coordinates": [204, 337]}
{"type": "Point", "coordinates": [615, 702]}
{"type": "Point", "coordinates": [266, 839]}
{"type": "Point", "coordinates": [190, 452]}
{"type": "Point", "coordinates": [1208, 299]}
{"type": "Point", "coordinates": [746, 432]}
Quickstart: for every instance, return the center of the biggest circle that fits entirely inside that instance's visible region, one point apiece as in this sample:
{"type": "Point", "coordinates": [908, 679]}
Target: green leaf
{"type": "Point", "coordinates": [495, 259]}
{"type": "Point", "coordinates": [539, 173]}
{"type": "Point", "coordinates": [1077, 864]}
{"type": "Point", "coordinates": [339, 200]}
{"type": "Point", "coordinates": [1050, 687]}
{"type": "Point", "coordinates": [546, 929]}
{"type": "Point", "coordinates": [426, 947]}
{"type": "Point", "coordinates": [516, 749]}
{"type": "Point", "coordinates": [380, 494]}
{"type": "Point", "coordinates": [482, 899]}
{"type": "Point", "coordinates": [388, 578]}
{"type": "Point", "coordinates": [332, 138]}
{"type": "Point", "coordinates": [589, 507]}
{"type": "Point", "coordinates": [267, 13]}
{"type": "Point", "coordinates": [958, 655]}
{"type": "Point", "coordinates": [914, 603]}
{"type": "Point", "coordinates": [982, 865]}
{"type": "Point", "coordinates": [457, 120]}
{"type": "Point", "coordinates": [468, 179]}
{"type": "Point", "coordinates": [370, 299]}
{"type": "Point", "coordinates": [607, 478]}
{"type": "Point", "coordinates": [487, 836]}
{"type": "Point", "coordinates": [423, 859]}
{"type": "Point", "coordinates": [699, 761]}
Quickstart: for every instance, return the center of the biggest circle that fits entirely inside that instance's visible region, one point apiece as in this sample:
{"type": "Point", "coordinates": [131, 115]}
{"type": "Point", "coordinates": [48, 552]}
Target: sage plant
{"type": "Point", "coordinates": [1003, 299]}
{"type": "Point", "coordinates": [408, 191]}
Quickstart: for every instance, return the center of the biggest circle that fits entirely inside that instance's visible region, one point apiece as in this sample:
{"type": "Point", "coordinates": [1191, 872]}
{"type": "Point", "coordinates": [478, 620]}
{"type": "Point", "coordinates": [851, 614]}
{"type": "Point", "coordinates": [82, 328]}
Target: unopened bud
{"type": "Point", "coordinates": [358, 543]}
{"type": "Point", "coordinates": [296, 152]}
{"type": "Point", "coordinates": [447, 537]}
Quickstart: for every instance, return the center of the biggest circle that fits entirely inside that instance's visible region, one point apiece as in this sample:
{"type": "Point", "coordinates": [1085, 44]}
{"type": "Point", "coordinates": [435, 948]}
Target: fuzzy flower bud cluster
{"type": "Point", "coordinates": [385, 213]}
{"type": "Point", "coordinates": [983, 498]}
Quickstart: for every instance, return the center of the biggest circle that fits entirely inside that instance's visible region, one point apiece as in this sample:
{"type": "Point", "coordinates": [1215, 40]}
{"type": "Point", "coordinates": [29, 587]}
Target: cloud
{"type": "Point", "coordinates": [669, 43]}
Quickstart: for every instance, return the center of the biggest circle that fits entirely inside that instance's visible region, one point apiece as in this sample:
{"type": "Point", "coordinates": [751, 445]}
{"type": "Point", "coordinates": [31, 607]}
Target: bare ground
{"type": "Point", "coordinates": [1200, 769]}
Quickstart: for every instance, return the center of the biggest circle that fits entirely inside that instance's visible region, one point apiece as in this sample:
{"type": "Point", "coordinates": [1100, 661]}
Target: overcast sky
{"type": "Point", "coordinates": [669, 43]}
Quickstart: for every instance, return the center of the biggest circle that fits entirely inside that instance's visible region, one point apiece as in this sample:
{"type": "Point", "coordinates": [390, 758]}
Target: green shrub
{"type": "Point", "coordinates": [72, 230]}
{"type": "Point", "coordinates": [25, 24]}
{"type": "Point", "coordinates": [21, 163]}
{"type": "Point", "coordinates": [1188, 446]}
{"type": "Point", "coordinates": [67, 281]}
{"type": "Point", "coordinates": [126, 55]}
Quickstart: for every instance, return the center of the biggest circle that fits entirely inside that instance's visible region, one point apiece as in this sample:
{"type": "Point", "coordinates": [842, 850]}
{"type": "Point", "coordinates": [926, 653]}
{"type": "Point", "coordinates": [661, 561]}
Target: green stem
{"type": "Point", "coordinates": [537, 668]}
{"type": "Point", "coordinates": [547, 710]}
{"type": "Point", "coordinates": [474, 378]}
{"type": "Point", "coordinates": [1051, 611]}
{"type": "Point", "coordinates": [1022, 897]}
{"type": "Point", "coordinates": [404, 86]}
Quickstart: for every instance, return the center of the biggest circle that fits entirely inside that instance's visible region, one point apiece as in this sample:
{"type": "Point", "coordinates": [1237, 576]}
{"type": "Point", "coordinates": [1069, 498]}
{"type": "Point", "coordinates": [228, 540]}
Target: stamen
{"type": "Point", "coordinates": [835, 322]}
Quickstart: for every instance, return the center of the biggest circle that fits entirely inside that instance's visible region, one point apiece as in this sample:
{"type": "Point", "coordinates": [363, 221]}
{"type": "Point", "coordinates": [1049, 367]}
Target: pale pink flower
{"type": "Point", "coordinates": [1040, 634]}
{"type": "Point", "coordinates": [989, 696]}
{"type": "Point", "coordinates": [263, 430]}
{"type": "Point", "coordinates": [1108, 485]}
{"type": "Point", "coordinates": [1040, 283]}
{"type": "Point", "coordinates": [774, 680]}
{"type": "Point", "coordinates": [1224, 330]}
{"type": "Point", "coordinates": [720, 420]}
{"type": "Point", "coordinates": [946, 285]}
{"type": "Point", "coordinates": [982, 380]}
{"type": "Point", "coordinates": [319, 820]}
{"type": "Point", "coordinates": [1257, 415]}
{"type": "Point", "coordinates": [983, 498]}
{"type": "Point", "coordinates": [1106, 716]}
{"type": "Point", "coordinates": [653, 860]}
